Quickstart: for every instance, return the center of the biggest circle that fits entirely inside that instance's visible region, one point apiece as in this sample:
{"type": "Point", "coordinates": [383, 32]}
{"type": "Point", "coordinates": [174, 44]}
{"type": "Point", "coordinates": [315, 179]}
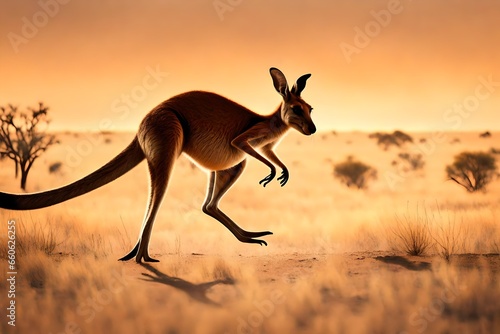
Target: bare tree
{"type": "Point", "coordinates": [23, 138]}
{"type": "Point", "coordinates": [472, 170]}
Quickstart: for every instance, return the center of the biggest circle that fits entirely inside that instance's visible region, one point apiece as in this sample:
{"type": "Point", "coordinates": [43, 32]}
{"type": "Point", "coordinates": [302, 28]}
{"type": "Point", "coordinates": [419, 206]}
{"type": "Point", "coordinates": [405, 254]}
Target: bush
{"type": "Point", "coordinates": [397, 138]}
{"type": "Point", "coordinates": [486, 134]}
{"type": "Point", "coordinates": [354, 173]}
{"type": "Point", "coordinates": [414, 162]}
{"type": "Point", "coordinates": [495, 150]}
{"type": "Point", "coordinates": [55, 167]}
{"type": "Point", "coordinates": [472, 170]}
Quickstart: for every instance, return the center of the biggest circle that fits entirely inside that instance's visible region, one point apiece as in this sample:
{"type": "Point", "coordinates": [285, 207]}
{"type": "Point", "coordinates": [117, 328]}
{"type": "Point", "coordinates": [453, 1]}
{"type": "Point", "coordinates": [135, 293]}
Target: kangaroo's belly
{"type": "Point", "coordinates": [215, 154]}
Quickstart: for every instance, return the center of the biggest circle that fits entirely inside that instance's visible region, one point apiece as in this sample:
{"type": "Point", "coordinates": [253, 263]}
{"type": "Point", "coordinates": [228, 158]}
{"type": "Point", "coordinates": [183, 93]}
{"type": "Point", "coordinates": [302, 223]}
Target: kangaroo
{"type": "Point", "coordinates": [213, 131]}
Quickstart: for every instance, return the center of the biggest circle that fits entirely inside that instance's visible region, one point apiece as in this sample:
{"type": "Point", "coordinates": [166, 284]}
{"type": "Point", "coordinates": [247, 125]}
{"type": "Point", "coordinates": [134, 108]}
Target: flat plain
{"type": "Point", "coordinates": [335, 263]}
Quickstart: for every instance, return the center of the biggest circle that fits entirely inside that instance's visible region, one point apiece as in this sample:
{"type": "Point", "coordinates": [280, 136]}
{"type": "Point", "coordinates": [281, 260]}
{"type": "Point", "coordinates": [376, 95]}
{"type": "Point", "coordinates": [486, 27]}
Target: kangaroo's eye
{"type": "Point", "coordinates": [297, 110]}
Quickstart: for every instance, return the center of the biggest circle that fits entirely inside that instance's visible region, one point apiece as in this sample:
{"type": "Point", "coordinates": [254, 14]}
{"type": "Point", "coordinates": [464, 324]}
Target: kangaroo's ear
{"type": "Point", "coordinates": [279, 81]}
{"type": "Point", "coordinates": [299, 86]}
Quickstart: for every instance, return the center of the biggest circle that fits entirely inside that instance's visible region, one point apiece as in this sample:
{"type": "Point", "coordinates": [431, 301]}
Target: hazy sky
{"type": "Point", "coordinates": [376, 65]}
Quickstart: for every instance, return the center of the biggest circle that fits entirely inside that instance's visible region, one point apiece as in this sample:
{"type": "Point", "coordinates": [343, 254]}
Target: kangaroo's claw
{"type": "Point", "coordinates": [268, 178]}
{"type": "Point", "coordinates": [283, 179]}
{"type": "Point", "coordinates": [262, 242]}
{"type": "Point", "coordinates": [251, 240]}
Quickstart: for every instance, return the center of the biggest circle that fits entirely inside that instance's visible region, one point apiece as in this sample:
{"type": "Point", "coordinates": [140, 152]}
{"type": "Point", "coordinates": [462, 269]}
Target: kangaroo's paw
{"type": "Point", "coordinates": [268, 178]}
{"type": "Point", "coordinates": [283, 179]}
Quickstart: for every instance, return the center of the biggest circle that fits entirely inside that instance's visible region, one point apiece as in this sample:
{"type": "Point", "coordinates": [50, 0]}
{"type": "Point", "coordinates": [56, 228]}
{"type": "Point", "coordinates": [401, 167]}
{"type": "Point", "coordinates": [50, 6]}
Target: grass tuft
{"type": "Point", "coordinates": [412, 233]}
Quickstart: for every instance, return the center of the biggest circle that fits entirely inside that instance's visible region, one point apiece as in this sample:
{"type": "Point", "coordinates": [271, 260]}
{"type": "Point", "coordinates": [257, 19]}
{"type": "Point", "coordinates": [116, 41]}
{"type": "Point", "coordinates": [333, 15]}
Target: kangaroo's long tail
{"type": "Point", "coordinates": [121, 164]}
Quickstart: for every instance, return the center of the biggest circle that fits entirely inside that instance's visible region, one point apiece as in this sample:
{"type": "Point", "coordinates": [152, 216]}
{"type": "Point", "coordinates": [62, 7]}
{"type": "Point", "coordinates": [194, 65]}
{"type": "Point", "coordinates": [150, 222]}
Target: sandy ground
{"type": "Point", "coordinates": [333, 264]}
{"type": "Point", "coordinates": [297, 292]}
{"type": "Point", "coordinates": [277, 271]}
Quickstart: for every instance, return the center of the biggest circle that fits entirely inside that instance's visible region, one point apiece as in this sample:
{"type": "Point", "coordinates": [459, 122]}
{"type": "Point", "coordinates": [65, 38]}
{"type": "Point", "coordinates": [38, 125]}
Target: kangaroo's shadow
{"type": "Point", "coordinates": [405, 263]}
{"type": "Point", "coordinates": [196, 291]}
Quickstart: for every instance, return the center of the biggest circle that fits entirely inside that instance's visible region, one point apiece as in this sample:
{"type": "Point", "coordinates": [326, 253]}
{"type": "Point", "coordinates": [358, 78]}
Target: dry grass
{"type": "Point", "coordinates": [33, 236]}
{"type": "Point", "coordinates": [337, 262]}
{"type": "Point", "coordinates": [413, 236]}
{"type": "Point", "coordinates": [450, 238]}
{"type": "Point", "coordinates": [431, 232]}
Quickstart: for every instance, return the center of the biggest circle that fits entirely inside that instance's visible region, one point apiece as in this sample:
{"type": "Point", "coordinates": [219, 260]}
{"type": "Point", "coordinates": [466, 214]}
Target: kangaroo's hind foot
{"type": "Point", "coordinates": [134, 253]}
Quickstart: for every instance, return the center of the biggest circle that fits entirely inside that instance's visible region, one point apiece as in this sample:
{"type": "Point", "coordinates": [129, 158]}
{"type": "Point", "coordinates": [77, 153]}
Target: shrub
{"type": "Point", "coordinates": [354, 173]}
{"type": "Point", "coordinates": [472, 170]}
{"type": "Point", "coordinates": [397, 138]}
{"type": "Point", "coordinates": [414, 161]}
{"type": "Point", "coordinates": [55, 167]}
{"type": "Point", "coordinates": [486, 134]}
{"type": "Point", "coordinates": [495, 150]}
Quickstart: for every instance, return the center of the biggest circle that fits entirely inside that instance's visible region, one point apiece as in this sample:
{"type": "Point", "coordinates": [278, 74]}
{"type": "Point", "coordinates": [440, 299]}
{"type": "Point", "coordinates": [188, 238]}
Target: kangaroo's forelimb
{"type": "Point", "coordinates": [261, 134]}
{"type": "Point", "coordinates": [268, 152]}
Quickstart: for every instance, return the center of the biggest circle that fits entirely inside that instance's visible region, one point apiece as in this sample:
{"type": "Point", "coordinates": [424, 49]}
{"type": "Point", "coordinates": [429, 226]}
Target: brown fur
{"type": "Point", "coordinates": [215, 132]}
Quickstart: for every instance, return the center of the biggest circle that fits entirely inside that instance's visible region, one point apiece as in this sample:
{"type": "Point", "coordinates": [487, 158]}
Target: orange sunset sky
{"type": "Point", "coordinates": [418, 65]}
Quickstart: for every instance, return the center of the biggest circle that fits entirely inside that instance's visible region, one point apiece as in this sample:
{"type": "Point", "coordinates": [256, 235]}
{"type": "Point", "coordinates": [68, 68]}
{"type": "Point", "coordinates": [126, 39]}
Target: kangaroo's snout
{"type": "Point", "coordinates": [312, 129]}
{"type": "Point", "coordinates": [308, 129]}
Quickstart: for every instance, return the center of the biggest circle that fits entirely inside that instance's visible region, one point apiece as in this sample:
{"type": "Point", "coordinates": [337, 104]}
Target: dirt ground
{"type": "Point", "coordinates": [361, 292]}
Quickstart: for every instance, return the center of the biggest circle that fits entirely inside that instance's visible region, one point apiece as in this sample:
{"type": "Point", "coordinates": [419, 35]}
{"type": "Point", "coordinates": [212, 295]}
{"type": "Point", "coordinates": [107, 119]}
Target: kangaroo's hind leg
{"type": "Point", "coordinates": [219, 184]}
{"type": "Point", "coordinates": [162, 145]}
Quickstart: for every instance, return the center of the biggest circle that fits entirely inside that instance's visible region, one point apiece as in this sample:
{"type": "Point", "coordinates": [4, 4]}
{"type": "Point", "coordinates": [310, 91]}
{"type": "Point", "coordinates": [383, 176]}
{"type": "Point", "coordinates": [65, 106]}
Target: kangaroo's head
{"type": "Point", "coordinates": [295, 112]}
